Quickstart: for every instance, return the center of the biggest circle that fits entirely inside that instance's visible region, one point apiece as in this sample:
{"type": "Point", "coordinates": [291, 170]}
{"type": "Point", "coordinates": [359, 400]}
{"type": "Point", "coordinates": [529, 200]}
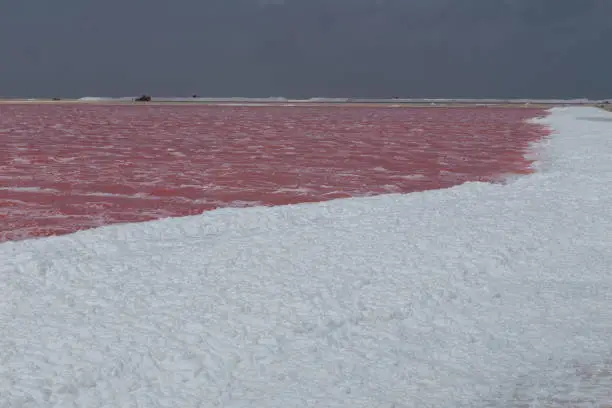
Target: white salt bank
{"type": "Point", "coordinates": [479, 295]}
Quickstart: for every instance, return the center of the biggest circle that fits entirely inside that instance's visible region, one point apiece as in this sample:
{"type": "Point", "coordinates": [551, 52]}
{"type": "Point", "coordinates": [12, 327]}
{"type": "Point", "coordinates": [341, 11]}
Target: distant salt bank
{"type": "Point", "coordinates": [280, 104]}
{"type": "Point", "coordinates": [607, 107]}
{"type": "Point", "coordinates": [344, 102]}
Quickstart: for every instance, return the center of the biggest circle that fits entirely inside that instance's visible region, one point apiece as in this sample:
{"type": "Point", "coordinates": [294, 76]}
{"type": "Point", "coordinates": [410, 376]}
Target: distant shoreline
{"type": "Point", "coordinates": [255, 102]}
{"type": "Point", "coordinates": [607, 107]}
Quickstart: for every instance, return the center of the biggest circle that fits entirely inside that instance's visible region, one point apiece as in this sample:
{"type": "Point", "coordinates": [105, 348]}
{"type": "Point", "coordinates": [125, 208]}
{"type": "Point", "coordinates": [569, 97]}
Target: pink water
{"type": "Point", "coordinates": [75, 166]}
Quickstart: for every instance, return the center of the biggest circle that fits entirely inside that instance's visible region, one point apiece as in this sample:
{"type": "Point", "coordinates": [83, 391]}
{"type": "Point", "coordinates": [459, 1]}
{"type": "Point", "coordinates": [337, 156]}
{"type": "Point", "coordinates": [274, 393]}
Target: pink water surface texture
{"type": "Point", "coordinates": [69, 167]}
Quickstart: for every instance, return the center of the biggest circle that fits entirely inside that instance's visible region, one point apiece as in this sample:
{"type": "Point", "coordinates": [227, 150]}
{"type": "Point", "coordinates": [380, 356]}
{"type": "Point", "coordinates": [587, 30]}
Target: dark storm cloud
{"type": "Point", "coordinates": [300, 48]}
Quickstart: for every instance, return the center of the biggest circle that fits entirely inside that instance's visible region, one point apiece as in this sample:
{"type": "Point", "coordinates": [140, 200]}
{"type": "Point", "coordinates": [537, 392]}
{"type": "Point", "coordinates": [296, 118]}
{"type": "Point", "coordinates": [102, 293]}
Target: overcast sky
{"type": "Point", "coordinates": [303, 48]}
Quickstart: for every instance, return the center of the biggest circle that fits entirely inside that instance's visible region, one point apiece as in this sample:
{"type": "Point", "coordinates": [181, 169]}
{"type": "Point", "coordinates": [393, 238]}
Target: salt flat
{"type": "Point", "coordinates": [492, 295]}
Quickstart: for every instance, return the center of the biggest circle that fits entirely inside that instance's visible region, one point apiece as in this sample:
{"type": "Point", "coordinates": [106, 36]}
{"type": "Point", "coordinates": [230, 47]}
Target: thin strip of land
{"type": "Point", "coordinates": [399, 104]}
{"type": "Point", "coordinates": [340, 102]}
{"type": "Point", "coordinates": [607, 107]}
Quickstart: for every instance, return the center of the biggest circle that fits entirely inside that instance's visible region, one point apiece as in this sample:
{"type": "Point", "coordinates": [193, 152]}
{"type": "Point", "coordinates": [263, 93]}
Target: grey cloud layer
{"type": "Point", "coordinates": [301, 48]}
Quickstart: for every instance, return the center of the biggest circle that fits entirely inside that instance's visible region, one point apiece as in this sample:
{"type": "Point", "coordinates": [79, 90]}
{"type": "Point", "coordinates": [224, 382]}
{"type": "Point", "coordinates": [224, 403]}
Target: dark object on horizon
{"type": "Point", "coordinates": [55, 99]}
{"type": "Point", "coordinates": [194, 96]}
{"type": "Point", "coordinates": [143, 98]}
